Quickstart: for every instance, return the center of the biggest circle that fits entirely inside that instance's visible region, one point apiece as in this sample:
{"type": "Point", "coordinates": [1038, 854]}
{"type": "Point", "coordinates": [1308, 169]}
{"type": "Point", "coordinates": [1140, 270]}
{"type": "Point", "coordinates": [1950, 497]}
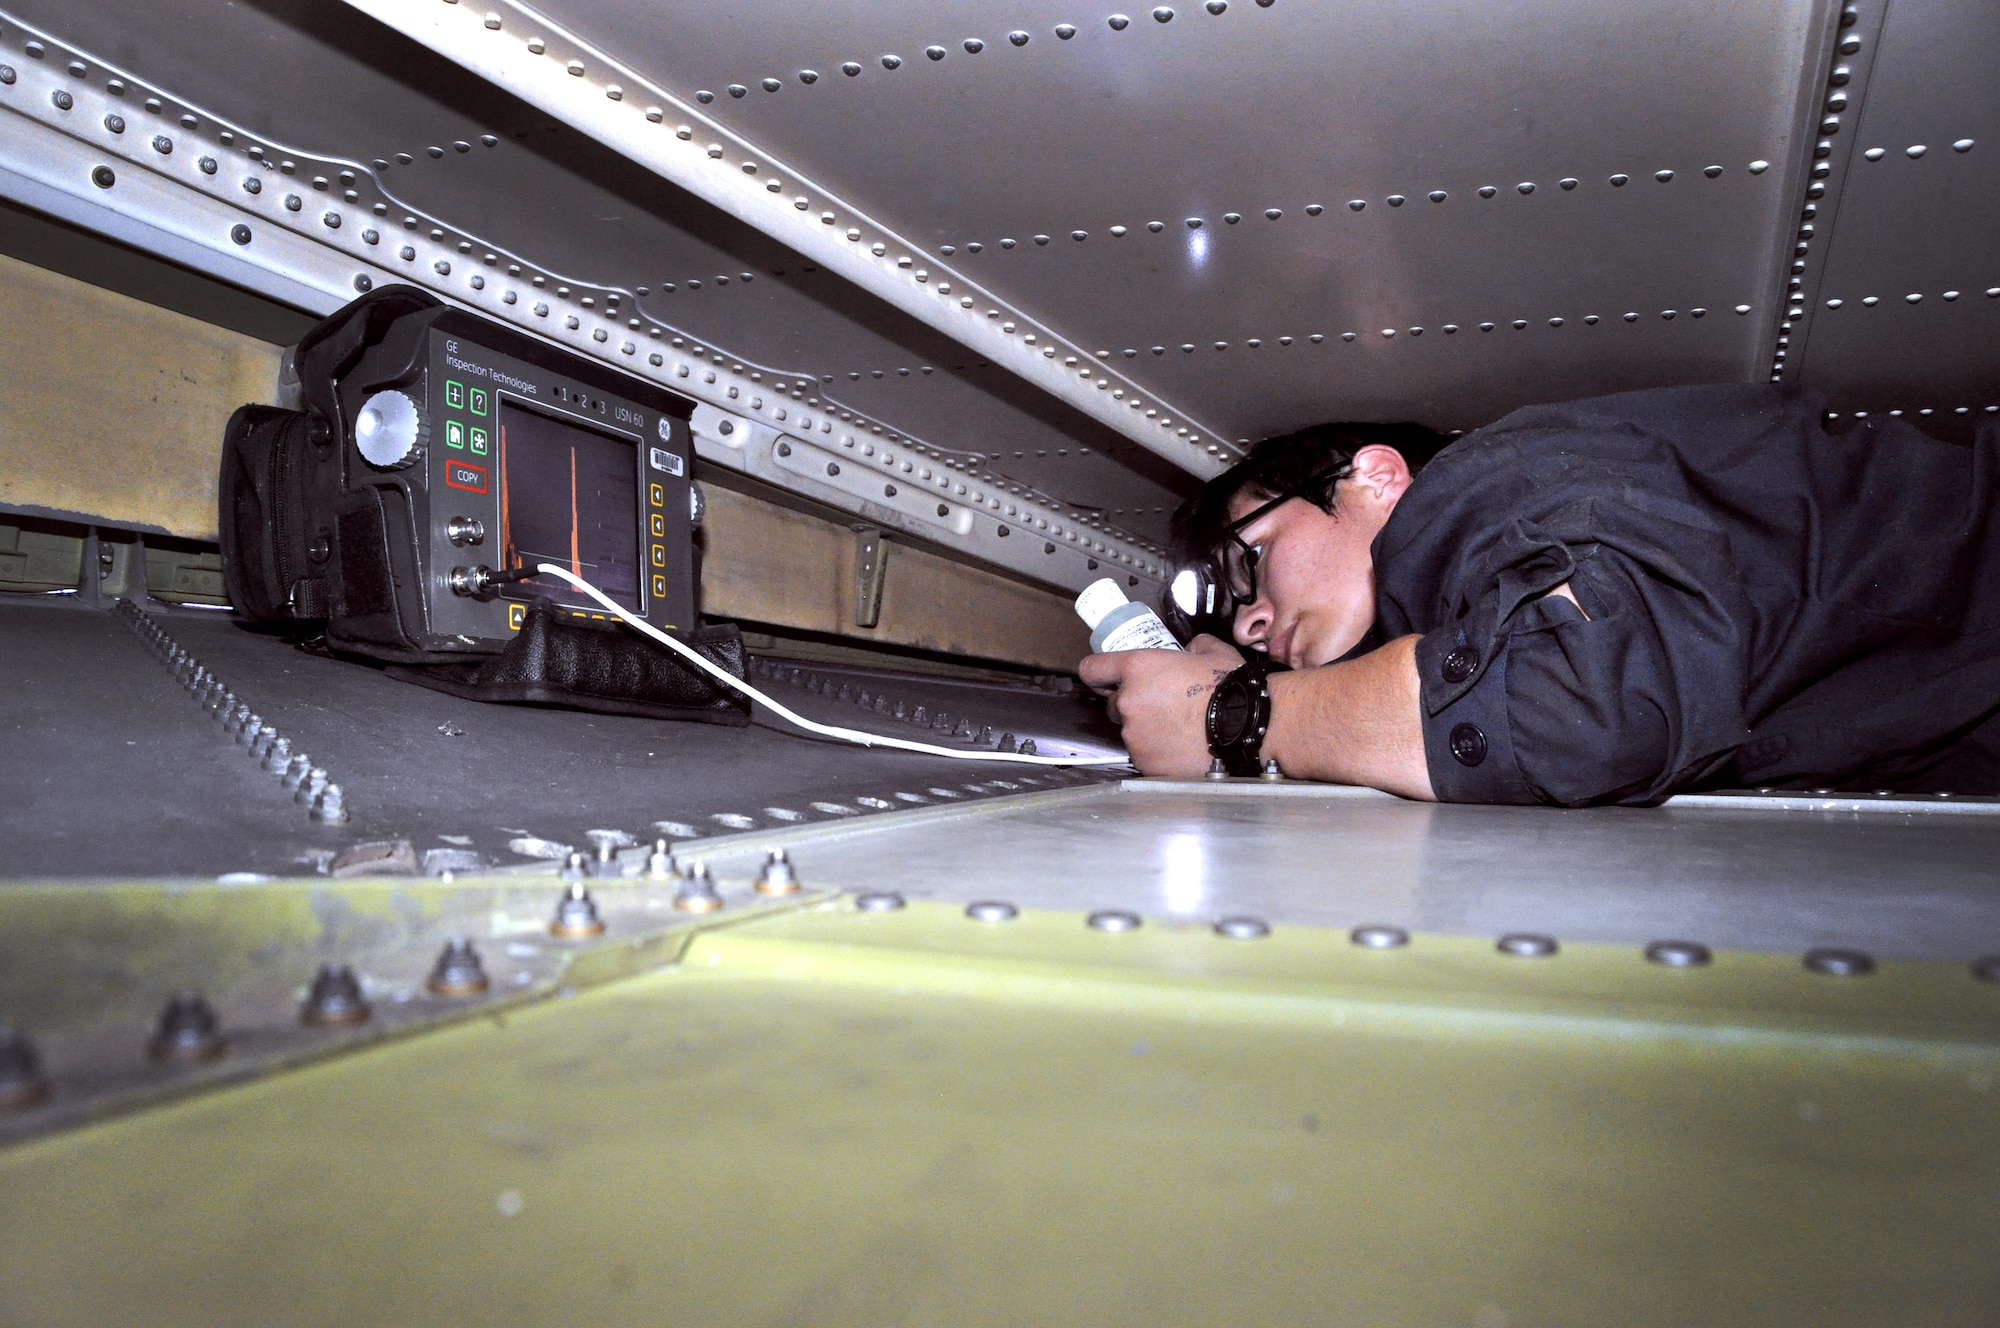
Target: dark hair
{"type": "Point", "coordinates": [1279, 465]}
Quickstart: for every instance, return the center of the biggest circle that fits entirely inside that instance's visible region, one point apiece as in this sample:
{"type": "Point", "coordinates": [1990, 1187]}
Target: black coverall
{"type": "Point", "coordinates": [1769, 603]}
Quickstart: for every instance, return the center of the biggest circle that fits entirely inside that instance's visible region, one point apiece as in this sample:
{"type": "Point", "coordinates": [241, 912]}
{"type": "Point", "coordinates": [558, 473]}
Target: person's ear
{"type": "Point", "coordinates": [1381, 471]}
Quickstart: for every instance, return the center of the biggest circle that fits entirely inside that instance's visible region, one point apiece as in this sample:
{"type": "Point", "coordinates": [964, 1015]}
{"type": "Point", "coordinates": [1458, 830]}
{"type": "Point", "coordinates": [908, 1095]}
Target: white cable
{"type": "Point", "coordinates": [865, 739]}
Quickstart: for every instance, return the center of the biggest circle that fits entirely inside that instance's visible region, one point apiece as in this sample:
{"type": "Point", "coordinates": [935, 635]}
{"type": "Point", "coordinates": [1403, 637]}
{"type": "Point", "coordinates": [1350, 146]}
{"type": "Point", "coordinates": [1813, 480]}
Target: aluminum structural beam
{"type": "Point", "coordinates": [587, 88]}
{"type": "Point", "coordinates": [103, 148]}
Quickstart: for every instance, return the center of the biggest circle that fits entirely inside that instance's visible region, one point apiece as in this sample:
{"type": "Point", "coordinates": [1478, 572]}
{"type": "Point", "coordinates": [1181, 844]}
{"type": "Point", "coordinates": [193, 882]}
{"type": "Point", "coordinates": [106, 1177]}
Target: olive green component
{"type": "Point", "coordinates": [39, 560]}
{"type": "Point", "coordinates": [86, 969]}
{"type": "Point", "coordinates": [829, 1116]}
{"type": "Point", "coordinates": [185, 575]}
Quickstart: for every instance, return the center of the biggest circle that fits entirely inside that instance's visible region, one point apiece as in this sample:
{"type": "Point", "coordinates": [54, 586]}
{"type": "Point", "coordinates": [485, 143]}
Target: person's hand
{"type": "Point", "coordinates": [1160, 699]}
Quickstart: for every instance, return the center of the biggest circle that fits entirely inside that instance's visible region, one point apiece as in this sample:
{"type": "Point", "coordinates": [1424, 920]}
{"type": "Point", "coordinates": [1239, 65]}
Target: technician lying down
{"type": "Point", "coordinates": [1601, 601]}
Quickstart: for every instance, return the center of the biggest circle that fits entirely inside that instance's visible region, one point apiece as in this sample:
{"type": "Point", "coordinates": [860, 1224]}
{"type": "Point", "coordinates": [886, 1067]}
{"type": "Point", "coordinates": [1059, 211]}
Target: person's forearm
{"type": "Point", "coordinates": [1354, 723]}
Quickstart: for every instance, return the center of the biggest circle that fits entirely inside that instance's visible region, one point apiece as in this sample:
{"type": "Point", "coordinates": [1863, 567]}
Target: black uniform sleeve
{"type": "Point", "coordinates": [1527, 700]}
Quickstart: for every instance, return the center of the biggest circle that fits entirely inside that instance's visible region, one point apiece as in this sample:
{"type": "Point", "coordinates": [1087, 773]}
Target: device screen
{"type": "Point", "coordinates": [568, 495]}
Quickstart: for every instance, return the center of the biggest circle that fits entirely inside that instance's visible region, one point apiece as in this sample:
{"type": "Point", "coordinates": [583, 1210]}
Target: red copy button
{"type": "Point", "coordinates": [460, 475]}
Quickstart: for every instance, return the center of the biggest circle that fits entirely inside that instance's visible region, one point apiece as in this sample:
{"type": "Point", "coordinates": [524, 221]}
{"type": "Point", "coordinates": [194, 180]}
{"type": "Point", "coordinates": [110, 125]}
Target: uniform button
{"type": "Point", "coordinates": [1468, 744]}
{"type": "Point", "coordinates": [1460, 664]}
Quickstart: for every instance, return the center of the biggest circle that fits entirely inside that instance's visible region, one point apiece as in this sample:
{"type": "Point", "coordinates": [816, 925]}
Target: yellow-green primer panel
{"type": "Point", "coordinates": [837, 1118]}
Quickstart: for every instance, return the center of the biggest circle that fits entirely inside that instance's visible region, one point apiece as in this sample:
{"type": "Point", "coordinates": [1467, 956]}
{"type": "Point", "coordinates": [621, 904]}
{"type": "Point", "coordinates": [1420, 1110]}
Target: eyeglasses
{"type": "Point", "coordinates": [1210, 591]}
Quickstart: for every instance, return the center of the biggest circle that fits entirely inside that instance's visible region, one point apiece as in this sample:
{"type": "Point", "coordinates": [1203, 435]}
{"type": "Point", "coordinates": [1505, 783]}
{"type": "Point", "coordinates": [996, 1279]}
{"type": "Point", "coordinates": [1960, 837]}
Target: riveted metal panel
{"type": "Point", "coordinates": [1906, 313]}
{"type": "Point", "coordinates": [1113, 176]}
{"type": "Point", "coordinates": [439, 179]}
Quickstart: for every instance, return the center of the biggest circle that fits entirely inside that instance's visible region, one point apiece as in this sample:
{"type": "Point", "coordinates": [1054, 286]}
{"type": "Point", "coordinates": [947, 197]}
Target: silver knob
{"type": "Point", "coordinates": [465, 530]}
{"type": "Point", "coordinates": [388, 432]}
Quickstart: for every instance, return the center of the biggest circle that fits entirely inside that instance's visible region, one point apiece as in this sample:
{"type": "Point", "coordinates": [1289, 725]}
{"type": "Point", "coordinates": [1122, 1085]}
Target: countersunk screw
{"type": "Point", "coordinates": [330, 806]}
{"type": "Point", "coordinates": [697, 894]}
{"type": "Point", "coordinates": [188, 1030]}
{"type": "Point", "coordinates": [1379, 938]}
{"type": "Point", "coordinates": [777, 878]}
{"type": "Point", "coordinates": [1243, 929]}
{"type": "Point", "coordinates": [1679, 954]}
{"type": "Point", "coordinates": [576, 915]}
{"type": "Point", "coordinates": [878, 901]}
{"type": "Point", "coordinates": [22, 1079]}
{"type": "Point", "coordinates": [334, 997]}
{"type": "Point", "coordinates": [1840, 963]}
{"type": "Point", "coordinates": [660, 863]}
{"type": "Point", "coordinates": [458, 971]}
{"type": "Point", "coordinates": [1526, 945]}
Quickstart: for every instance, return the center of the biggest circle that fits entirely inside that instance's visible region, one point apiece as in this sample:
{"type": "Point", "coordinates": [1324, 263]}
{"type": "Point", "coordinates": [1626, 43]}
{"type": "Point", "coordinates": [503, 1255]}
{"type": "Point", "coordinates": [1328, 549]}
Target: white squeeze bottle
{"type": "Point", "coordinates": [1117, 623]}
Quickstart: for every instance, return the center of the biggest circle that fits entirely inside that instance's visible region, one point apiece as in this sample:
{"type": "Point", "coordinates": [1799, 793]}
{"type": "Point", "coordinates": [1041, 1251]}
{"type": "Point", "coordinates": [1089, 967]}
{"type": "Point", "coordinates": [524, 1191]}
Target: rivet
{"type": "Point", "coordinates": [103, 177]}
{"type": "Point", "coordinates": [777, 877]}
{"type": "Point", "coordinates": [698, 893]}
{"type": "Point", "coordinates": [1163, 15]}
{"type": "Point", "coordinates": [1356, 204]}
{"type": "Point", "coordinates": [1520, 324]}
{"type": "Point", "coordinates": [576, 913]}
{"type": "Point", "coordinates": [1079, 235]}
{"type": "Point", "coordinates": [115, 123]}
{"type": "Point", "coordinates": [991, 910]}
{"type": "Point", "coordinates": [1962, 145]}
{"type": "Point", "coordinates": [1951, 295]}
{"type": "Point", "coordinates": [737, 90]}
{"type": "Point", "coordinates": [1526, 186]}
{"type": "Point", "coordinates": [1118, 22]}
{"type": "Point", "coordinates": [1632, 317]}
{"type": "Point", "coordinates": [1216, 7]}
{"type": "Point", "coordinates": [1915, 150]}
{"type": "Point", "coordinates": [770, 85]}
{"type": "Point", "coordinates": [1840, 963]}
{"type": "Point", "coordinates": [1742, 309]}
{"type": "Point", "coordinates": [1568, 182]}
{"type": "Point", "coordinates": [1526, 945]}
{"type": "Point", "coordinates": [1620, 181]}
{"type": "Point", "coordinates": [1667, 314]}
{"type": "Point", "coordinates": [1232, 217]}
{"type": "Point", "coordinates": [1913, 298]}
{"type": "Point", "coordinates": [1379, 937]}
{"type": "Point", "coordinates": [62, 100]}
{"type": "Point", "coordinates": [1243, 928]}
{"type": "Point", "coordinates": [1018, 37]}
{"type": "Point", "coordinates": [1065, 31]}
{"type": "Point", "coordinates": [935, 52]}
{"type": "Point", "coordinates": [1314, 209]}
{"type": "Point", "coordinates": [334, 998]}
{"type": "Point", "coordinates": [1678, 954]}
{"type": "Point", "coordinates": [188, 1030]}
{"type": "Point", "coordinates": [458, 971]}
{"type": "Point", "coordinates": [1871, 300]}
{"type": "Point", "coordinates": [1113, 919]}
{"type": "Point", "coordinates": [1194, 223]}
{"type": "Point", "coordinates": [850, 69]}
{"type": "Point", "coordinates": [973, 46]}
{"type": "Point", "coordinates": [23, 1082]}
{"type": "Point", "coordinates": [892, 62]}
{"type": "Point", "coordinates": [1712, 172]}
{"type": "Point", "coordinates": [1487, 191]}
{"type": "Point", "coordinates": [880, 901]}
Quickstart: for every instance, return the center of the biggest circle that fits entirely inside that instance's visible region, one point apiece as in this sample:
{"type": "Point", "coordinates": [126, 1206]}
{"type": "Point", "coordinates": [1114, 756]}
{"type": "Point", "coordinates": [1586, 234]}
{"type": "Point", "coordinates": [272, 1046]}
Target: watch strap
{"type": "Point", "coordinates": [1239, 748]}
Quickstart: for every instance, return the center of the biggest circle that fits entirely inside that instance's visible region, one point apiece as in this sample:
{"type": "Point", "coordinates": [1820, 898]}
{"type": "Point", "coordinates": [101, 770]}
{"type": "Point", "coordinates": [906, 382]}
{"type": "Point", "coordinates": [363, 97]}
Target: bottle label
{"type": "Point", "coordinates": [1142, 631]}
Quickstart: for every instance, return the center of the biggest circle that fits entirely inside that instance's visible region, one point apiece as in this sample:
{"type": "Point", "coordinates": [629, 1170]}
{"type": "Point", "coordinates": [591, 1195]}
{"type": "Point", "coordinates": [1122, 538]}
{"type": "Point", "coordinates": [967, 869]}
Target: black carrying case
{"type": "Point", "coordinates": [301, 552]}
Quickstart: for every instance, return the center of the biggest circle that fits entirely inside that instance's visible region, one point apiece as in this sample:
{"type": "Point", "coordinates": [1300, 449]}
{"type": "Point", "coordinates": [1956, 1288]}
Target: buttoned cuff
{"type": "Point", "coordinates": [1468, 742]}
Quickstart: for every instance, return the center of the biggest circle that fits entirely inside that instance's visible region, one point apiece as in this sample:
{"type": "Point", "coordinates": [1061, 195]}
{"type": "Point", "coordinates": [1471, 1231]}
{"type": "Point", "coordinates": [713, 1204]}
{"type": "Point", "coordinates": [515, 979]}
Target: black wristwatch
{"type": "Point", "coordinates": [1239, 715]}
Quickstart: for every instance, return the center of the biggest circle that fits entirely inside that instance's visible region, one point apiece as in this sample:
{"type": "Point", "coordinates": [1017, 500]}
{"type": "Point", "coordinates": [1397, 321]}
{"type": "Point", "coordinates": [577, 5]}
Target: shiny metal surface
{"type": "Point", "coordinates": [472, 194]}
{"type": "Point", "coordinates": [1905, 315]}
{"type": "Point", "coordinates": [1269, 214]}
{"type": "Point", "coordinates": [1773, 876]}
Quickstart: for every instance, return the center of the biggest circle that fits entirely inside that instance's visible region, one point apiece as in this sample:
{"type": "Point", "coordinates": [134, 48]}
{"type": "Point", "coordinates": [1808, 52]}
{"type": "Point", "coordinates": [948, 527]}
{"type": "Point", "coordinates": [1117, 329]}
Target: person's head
{"type": "Point", "coordinates": [1280, 542]}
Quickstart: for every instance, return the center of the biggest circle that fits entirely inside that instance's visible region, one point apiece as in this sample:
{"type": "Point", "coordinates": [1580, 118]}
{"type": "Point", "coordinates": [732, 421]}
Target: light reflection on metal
{"type": "Point", "coordinates": [1184, 872]}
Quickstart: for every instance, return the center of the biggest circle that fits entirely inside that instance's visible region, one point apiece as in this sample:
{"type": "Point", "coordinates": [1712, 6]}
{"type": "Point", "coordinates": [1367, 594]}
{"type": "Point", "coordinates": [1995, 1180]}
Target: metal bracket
{"type": "Point", "coordinates": [871, 570]}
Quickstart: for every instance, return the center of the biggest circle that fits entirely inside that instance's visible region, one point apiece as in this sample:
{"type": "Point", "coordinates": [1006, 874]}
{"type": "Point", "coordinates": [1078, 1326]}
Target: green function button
{"type": "Point", "coordinates": [454, 434]}
{"type": "Point", "coordinates": [478, 437]}
{"type": "Point", "coordinates": [454, 395]}
{"type": "Point", "coordinates": [478, 401]}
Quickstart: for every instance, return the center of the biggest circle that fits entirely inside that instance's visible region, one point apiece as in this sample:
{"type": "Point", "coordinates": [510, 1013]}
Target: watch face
{"type": "Point", "coordinates": [1233, 708]}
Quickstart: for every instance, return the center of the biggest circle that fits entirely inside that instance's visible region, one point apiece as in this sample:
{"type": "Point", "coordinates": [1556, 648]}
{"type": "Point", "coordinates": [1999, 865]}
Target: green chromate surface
{"type": "Point", "coordinates": [830, 1117]}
